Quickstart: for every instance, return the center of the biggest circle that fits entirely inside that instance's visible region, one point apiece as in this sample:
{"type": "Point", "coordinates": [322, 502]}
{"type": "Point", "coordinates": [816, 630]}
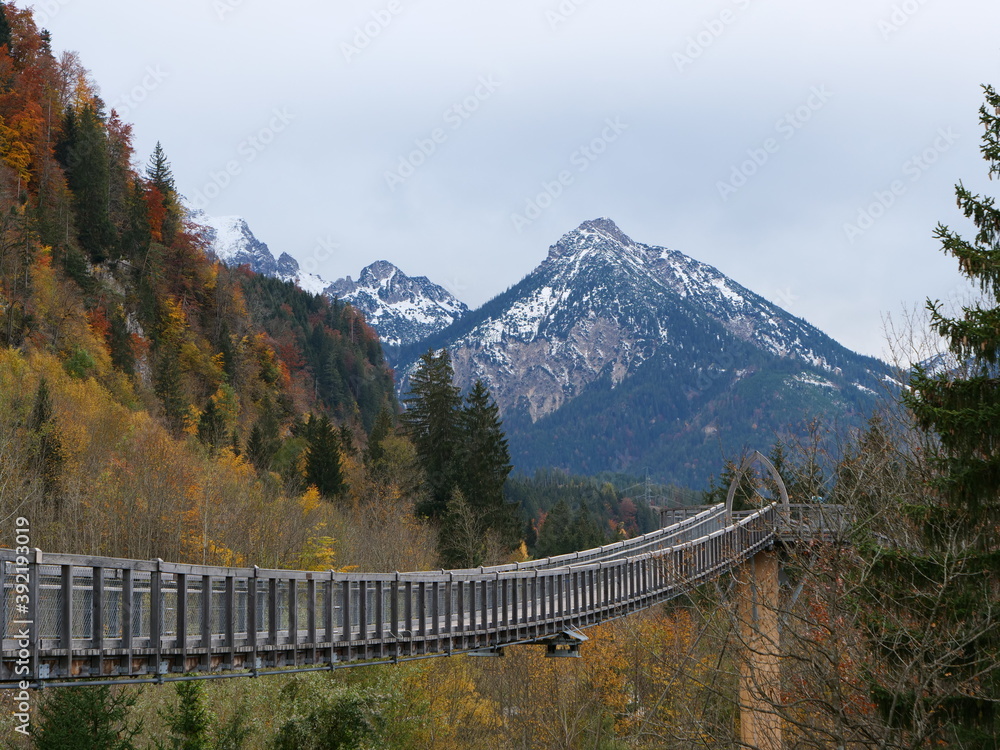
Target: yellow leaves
{"type": "Point", "coordinates": [226, 402]}
{"type": "Point", "coordinates": [62, 323]}
{"type": "Point", "coordinates": [83, 92]}
{"type": "Point", "coordinates": [199, 359]}
{"type": "Point", "coordinates": [521, 553]}
{"type": "Point", "coordinates": [318, 552]}
{"type": "Point", "coordinates": [229, 463]}
{"type": "Point", "coordinates": [191, 418]}
{"type": "Point", "coordinates": [173, 321]}
{"type": "Point", "coordinates": [15, 152]}
{"type": "Point", "coordinates": [311, 500]}
{"type": "Point", "coordinates": [221, 555]}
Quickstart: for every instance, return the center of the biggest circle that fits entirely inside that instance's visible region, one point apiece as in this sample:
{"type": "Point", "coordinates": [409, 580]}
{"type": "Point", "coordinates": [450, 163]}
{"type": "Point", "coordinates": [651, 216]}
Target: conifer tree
{"type": "Point", "coordinates": [323, 458]}
{"type": "Point", "coordinates": [48, 453]}
{"type": "Point", "coordinates": [85, 718]}
{"type": "Point", "coordinates": [159, 173]}
{"type": "Point", "coordinates": [211, 426]}
{"type": "Point", "coordinates": [264, 440]}
{"type": "Point", "coordinates": [188, 721]}
{"type": "Point", "coordinates": [5, 35]}
{"type": "Point", "coordinates": [432, 421]}
{"type": "Point", "coordinates": [554, 536]}
{"type": "Point", "coordinates": [346, 439]}
{"type": "Point", "coordinates": [374, 450]}
{"type": "Point", "coordinates": [169, 388]}
{"type": "Point", "coordinates": [961, 554]}
{"type": "Point", "coordinates": [484, 463]}
{"type": "Point", "coordinates": [120, 342]}
{"type": "Point", "coordinates": [83, 152]}
{"type": "Point", "coordinates": [164, 193]}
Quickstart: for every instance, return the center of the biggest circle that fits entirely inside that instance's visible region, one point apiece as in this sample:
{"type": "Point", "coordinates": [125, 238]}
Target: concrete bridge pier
{"type": "Point", "coordinates": [757, 623]}
{"type": "Point", "coordinates": [759, 660]}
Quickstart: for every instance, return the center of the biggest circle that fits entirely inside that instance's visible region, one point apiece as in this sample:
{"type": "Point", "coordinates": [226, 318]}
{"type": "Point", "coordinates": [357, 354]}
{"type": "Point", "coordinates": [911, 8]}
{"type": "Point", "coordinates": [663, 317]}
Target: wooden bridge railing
{"type": "Point", "coordinates": [70, 616]}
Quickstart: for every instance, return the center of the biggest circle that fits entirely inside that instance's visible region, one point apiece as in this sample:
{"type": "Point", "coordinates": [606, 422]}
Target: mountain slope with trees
{"type": "Point", "coordinates": [155, 402]}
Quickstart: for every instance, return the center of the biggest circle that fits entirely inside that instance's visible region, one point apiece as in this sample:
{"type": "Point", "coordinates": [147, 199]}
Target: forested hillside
{"type": "Point", "coordinates": [154, 402]}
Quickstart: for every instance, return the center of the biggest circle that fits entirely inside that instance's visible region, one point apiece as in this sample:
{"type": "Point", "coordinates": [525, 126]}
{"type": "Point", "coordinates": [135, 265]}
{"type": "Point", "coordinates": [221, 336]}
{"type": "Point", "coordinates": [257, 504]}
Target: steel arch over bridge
{"type": "Point", "coordinates": [84, 617]}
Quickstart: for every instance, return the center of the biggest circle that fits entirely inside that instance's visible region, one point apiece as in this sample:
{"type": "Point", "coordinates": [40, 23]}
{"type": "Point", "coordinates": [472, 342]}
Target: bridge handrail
{"type": "Point", "coordinates": [657, 537]}
{"type": "Point", "coordinates": [99, 615]}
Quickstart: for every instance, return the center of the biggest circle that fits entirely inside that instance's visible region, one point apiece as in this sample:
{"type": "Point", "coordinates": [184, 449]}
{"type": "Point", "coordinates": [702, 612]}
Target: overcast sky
{"type": "Point", "coordinates": [807, 149]}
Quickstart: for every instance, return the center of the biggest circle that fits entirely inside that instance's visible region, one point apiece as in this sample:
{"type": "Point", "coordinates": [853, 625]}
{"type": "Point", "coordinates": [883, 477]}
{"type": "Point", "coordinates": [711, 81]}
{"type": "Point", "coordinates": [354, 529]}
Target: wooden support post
{"type": "Point", "coordinates": [760, 671]}
{"type": "Point", "coordinates": [127, 632]}
{"type": "Point", "coordinates": [66, 633]}
{"type": "Point", "coordinates": [97, 620]}
{"type": "Point", "coordinates": [182, 620]}
{"type": "Point", "coordinates": [206, 621]}
{"type": "Point", "coordinates": [229, 622]}
{"type": "Point", "coordinates": [253, 617]}
{"type": "Point", "coordinates": [379, 631]}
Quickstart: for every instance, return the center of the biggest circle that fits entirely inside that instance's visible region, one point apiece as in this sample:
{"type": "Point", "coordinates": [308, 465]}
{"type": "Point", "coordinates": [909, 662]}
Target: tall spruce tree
{"type": "Point", "coordinates": [161, 177]}
{"type": "Point", "coordinates": [323, 458]}
{"type": "Point", "coordinates": [375, 450]}
{"type": "Point", "coordinates": [264, 440]}
{"type": "Point", "coordinates": [961, 552]}
{"type": "Point", "coordinates": [484, 464]}
{"type": "Point", "coordinates": [189, 721]}
{"type": "Point", "coordinates": [432, 420]}
{"type": "Point", "coordinates": [83, 152]}
{"type": "Point", "coordinates": [169, 387]}
{"type": "Point", "coordinates": [159, 173]}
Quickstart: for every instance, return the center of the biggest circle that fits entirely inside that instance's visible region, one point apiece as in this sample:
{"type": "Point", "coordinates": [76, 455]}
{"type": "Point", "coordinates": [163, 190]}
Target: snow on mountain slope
{"type": "Point", "coordinates": [603, 304]}
{"type": "Point", "coordinates": [234, 244]}
{"type": "Point", "coordinates": [403, 309]}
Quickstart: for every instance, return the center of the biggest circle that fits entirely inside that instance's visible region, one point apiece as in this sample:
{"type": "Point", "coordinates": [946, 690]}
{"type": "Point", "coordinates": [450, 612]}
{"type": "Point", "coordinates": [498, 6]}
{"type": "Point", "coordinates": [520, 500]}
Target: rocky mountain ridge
{"type": "Point", "coordinates": [402, 309]}
{"type": "Point", "coordinates": [649, 347]}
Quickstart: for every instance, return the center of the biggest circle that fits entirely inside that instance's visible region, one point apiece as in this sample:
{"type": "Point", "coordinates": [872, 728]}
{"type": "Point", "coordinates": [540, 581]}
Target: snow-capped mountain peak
{"type": "Point", "coordinates": [402, 309]}
{"type": "Point", "coordinates": [234, 244]}
{"type": "Point", "coordinates": [602, 305]}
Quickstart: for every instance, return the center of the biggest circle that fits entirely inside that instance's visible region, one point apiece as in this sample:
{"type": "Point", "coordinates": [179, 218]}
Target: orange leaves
{"type": "Point", "coordinates": [156, 209]}
{"type": "Point", "coordinates": [99, 324]}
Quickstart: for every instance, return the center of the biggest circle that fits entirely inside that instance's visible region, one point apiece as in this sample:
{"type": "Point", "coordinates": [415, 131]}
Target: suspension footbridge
{"type": "Point", "coordinates": [72, 617]}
